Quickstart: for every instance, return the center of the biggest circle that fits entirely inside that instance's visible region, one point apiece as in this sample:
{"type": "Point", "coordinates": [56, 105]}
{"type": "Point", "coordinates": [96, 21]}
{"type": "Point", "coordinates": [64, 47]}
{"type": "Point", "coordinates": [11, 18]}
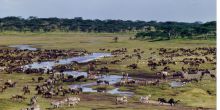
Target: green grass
{"type": "Point", "coordinates": [89, 101]}
{"type": "Point", "coordinates": [93, 41]}
{"type": "Point", "coordinates": [193, 94]}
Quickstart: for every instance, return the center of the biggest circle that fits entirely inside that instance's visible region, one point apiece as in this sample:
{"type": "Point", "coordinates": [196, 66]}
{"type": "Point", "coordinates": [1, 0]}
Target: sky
{"type": "Point", "coordinates": [147, 10]}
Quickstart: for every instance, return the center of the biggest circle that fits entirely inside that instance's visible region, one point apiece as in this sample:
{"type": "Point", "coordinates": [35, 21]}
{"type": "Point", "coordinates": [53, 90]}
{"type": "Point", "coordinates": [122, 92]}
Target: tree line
{"type": "Point", "coordinates": [34, 24]}
{"type": "Point", "coordinates": [173, 30]}
{"type": "Point", "coordinates": [151, 29]}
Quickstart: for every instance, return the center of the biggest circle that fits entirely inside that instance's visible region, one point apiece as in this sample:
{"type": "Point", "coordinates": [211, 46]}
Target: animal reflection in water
{"type": "Point", "coordinates": [59, 64]}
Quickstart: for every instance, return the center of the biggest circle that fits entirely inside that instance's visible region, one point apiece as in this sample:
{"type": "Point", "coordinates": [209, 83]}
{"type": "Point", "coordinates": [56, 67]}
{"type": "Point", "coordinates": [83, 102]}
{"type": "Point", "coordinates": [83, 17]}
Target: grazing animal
{"type": "Point", "coordinates": [73, 99]}
{"type": "Point", "coordinates": [131, 81]}
{"type": "Point", "coordinates": [133, 66]}
{"type": "Point", "coordinates": [3, 88]}
{"type": "Point", "coordinates": [56, 104]}
{"type": "Point", "coordinates": [72, 103]}
{"type": "Point", "coordinates": [106, 82]}
{"type": "Point", "coordinates": [212, 76]}
{"type": "Point", "coordinates": [40, 79]}
{"type": "Point", "coordinates": [10, 84]}
{"type": "Point", "coordinates": [123, 82]}
{"type": "Point", "coordinates": [48, 94]}
{"type": "Point", "coordinates": [145, 99]}
{"type": "Point", "coordinates": [33, 100]}
{"type": "Point", "coordinates": [172, 102]}
{"type": "Point", "coordinates": [163, 74]}
{"type": "Point", "coordinates": [209, 92]}
{"type": "Point", "coordinates": [27, 91]}
{"type": "Point", "coordinates": [178, 74]}
{"type": "Point", "coordinates": [65, 91]}
{"type": "Point", "coordinates": [33, 79]}
{"type": "Point", "coordinates": [162, 100]}
{"type": "Point", "coordinates": [18, 98]}
{"type": "Point", "coordinates": [80, 77]}
{"type": "Point", "coordinates": [121, 100]}
{"type": "Point", "coordinates": [99, 82]}
{"type": "Point", "coordinates": [75, 91]}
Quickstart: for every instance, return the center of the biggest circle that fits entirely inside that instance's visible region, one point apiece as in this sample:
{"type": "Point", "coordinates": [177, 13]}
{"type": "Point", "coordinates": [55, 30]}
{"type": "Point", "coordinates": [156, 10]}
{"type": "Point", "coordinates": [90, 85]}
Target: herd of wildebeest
{"type": "Point", "coordinates": [190, 61]}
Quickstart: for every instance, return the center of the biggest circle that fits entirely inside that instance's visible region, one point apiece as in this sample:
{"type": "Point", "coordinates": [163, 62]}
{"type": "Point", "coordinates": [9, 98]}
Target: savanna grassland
{"type": "Point", "coordinates": [192, 95]}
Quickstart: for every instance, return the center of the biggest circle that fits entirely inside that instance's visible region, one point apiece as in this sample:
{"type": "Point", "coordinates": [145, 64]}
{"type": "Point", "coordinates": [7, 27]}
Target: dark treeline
{"type": "Point", "coordinates": [151, 29]}
{"type": "Point", "coordinates": [35, 24]}
{"type": "Point", "coordinates": [172, 30]}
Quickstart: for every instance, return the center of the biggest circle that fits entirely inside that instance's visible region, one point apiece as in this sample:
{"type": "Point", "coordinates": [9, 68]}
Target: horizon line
{"type": "Point", "coordinates": [109, 19]}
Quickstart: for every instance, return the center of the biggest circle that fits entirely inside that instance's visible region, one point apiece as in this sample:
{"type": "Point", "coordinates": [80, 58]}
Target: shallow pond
{"type": "Point", "coordinates": [176, 84]}
{"type": "Point", "coordinates": [75, 73]}
{"type": "Point", "coordinates": [23, 47]}
{"type": "Point", "coordinates": [122, 93]}
{"type": "Point", "coordinates": [87, 88]}
{"type": "Point", "coordinates": [112, 80]}
{"type": "Point", "coordinates": [79, 59]}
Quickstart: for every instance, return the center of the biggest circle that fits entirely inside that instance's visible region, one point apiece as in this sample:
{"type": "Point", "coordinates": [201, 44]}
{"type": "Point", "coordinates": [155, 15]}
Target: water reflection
{"type": "Point", "coordinates": [23, 47]}
{"type": "Point", "coordinates": [79, 59]}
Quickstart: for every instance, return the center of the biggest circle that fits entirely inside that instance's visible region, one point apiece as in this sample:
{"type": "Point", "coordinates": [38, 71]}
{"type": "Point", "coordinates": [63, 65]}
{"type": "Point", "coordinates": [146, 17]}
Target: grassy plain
{"type": "Point", "coordinates": [191, 95]}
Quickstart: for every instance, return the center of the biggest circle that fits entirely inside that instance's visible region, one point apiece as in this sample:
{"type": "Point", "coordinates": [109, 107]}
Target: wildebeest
{"type": "Point", "coordinates": [131, 82]}
{"type": "Point", "coordinates": [79, 78]}
{"type": "Point", "coordinates": [172, 102]}
{"type": "Point", "coordinates": [48, 94]}
{"type": "Point", "coordinates": [9, 83]}
{"type": "Point", "coordinates": [212, 75]}
{"type": "Point", "coordinates": [101, 81]}
{"type": "Point", "coordinates": [163, 74]}
{"type": "Point", "coordinates": [27, 91]}
{"type": "Point", "coordinates": [162, 100]}
{"type": "Point", "coordinates": [75, 91]}
{"type": "Point", "coordinates": [18, 98]}
{"type": "Point", "coordinates": [40, 79]}
{"type": "Point", "coordinates": [178, 74]}
{"type": "Point", "coordinates": [3, 88]}
{"type": "Point", "coordinates": [106, 82]}
{"type": "Point", "coordinates": [133, 66]}
{"type": "Point", "coordinates": [33, 100]}
{"type": "Point", "coordinates": [123, 82]}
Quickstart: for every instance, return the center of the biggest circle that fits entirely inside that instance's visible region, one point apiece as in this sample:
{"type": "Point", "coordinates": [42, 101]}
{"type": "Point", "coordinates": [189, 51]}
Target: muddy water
{"type": "Point", "coordinates": [23, 47]}
{"type": "Point", "coordinates": [122, 93]}
{"type": "Point", "coordinates": [113, 79]}
{"type": "Point", "coordinates": [87, 88]}
{"type": "Point", "coordinates": [80, 59]}
{"type": "Point", "coordinates": [75, 73]}
{"type": "Point", "coordinates": [176, 84]}
{"type": "Point", "coordinates": [50, 64]}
